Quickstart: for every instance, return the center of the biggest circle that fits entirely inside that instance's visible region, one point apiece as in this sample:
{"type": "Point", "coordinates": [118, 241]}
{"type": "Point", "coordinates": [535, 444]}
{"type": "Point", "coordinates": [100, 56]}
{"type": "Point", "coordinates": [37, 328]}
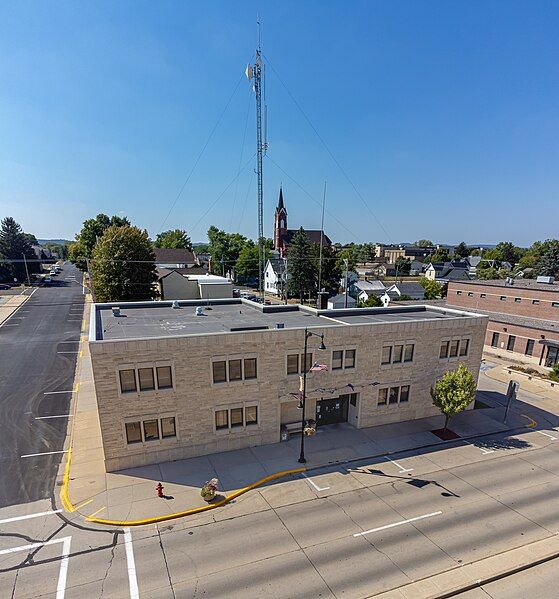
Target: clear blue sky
{"type": "Point", "coordinates": [445, 115]}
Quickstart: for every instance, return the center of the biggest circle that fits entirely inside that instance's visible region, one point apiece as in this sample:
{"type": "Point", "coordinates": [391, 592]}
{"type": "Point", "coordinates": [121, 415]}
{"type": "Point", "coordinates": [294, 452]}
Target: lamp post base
{"type": "Point", "coordinates": [302, 460]}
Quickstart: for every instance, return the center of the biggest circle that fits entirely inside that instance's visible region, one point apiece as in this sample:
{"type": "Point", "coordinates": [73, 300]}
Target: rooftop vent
{"type": "Point", "coordinates": [280, 325]}
{"type": "Point", "coordinates": [116, 310]}
{"type": "Point", "coordinates": [546, 280]}
{"type": "Point", "coordinates": [199, 311]}
{"type": "Point", "coordinates": [175, 304]}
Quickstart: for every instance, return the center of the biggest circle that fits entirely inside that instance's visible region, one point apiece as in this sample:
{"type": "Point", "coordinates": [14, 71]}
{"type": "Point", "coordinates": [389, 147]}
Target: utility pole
{"type": "Point", "coordinates": [256, 72]}
{"type": "Point", "coordinates": [26, 270]}
{"type": "Point", "coordinates": [321, 240]}
{"type": "Point", "coordinates": [90, 280]}
{"type": "Point", "coordinates": [346, 264]}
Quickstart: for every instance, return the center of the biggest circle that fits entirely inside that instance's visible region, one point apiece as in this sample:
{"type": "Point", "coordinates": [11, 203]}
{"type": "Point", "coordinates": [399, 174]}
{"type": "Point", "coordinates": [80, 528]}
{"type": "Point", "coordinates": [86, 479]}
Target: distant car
{"type": "Point", "coordinates": [48, 281]}
{"type": "Point", "coordinates": [5, 286]}
{"type": "Point", "coordinates": [53, 273]}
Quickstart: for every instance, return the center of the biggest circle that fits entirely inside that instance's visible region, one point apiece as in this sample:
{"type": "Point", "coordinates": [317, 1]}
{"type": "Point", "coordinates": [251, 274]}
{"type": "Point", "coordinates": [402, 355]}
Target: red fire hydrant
{"type": "Point", "coordinates": [159, 490]}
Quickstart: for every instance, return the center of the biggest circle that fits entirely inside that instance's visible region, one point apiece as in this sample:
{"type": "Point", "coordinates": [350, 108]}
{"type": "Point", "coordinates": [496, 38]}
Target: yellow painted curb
{"type": "Point", "coordinates": [68, 505]}
{"type": "Point", "coordinates": [196, 510]}
{"type": "Point", "coordinates": [532, 424]}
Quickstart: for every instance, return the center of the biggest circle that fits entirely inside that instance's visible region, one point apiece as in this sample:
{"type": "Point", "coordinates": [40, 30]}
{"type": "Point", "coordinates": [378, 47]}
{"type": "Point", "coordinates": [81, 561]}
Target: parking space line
{"type": "Point", "coordinates": [483, 450]}
{"type": "Point", "coordinates": [86, 502]}
{"type": "Point", "coordinates": [29, 516]}
{"type": "Point", "coordinates": [314, 484]}
{"type": "Point", "coordinates": [96, 512]}
{"type": "Point", "coordinates": [32, 455]}
{"type": "Point", "coordinates": [133, 581]}
{"type": "Point", "coordinates": [58, 416]}
{"type": "Point", "coordinates": [547, 435]}
{"type": "Point", "coordinates": [366, 532]}
{"type": "Point", "coordinates": [63, 572]}
{"type": "Point", "coordinates": [56, 392]}
{"type": "Point", "coordinates": [402, 468]}
{"type": "Point", "coordinates": [67, 352]}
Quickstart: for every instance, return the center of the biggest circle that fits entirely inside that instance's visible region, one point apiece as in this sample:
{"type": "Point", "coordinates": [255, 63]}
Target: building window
{"type": "Point", "coordinates": [536, 302]}
{"type": "Point", "coordinates": [251, 415]}
{"type": "Point", "coordinates": [470, 294]}
{"type": "Point", "coordinates": [503, 298]}
{"type": "Point", "coordinates": [408, 352]}
{"type": "Point", "coordinates": [293, 364]}
{"type": "Point", "coordinates": [151, 430]}
{"type": "Point", "coordinates": [404, 393]}
{"type": "Point", "coordinates": [495, 340]}
{"type": "Point", "coordinates": [350, 358]}
{"type": "Point", "coordinates": [235, 372]}
{"type": "Point", "coordinates": [443, 352]}
{"type": "Point", "coordinates": [464, 346]}
{"type": "Point", "coordinates": [482, 295]}
{"type": "Point", "coordinates": [458, 293]}
{"type": "Point", "coordinates": [337, 359]}
{"type": "Point", "coordinates": [236, 417]}
{"type": "Point", "coordinates": [397, 354]}
{"type": "Point", "coordinates": [250, 368]}
{"type": "Point", "coordinates": [393, 395]}
{"type": "Point", "coordinates": [219, 370]}
{"type": "Point", "coordinates": [127, 380]}
{"type": "Point", "coordinates": [164, 377]}
{"type": "Point", "coordinates": [517, 300]}
{"type": "Point", "coordinates": [510, 343]}
{"type": "Point", "coordinates": [221, 419]}
{"type": "Point", "coordinates": [454, 348]}
{"type": "Point", "coordinates": [353, 399]}
{"type": "Point", "coordinates": [133, 432]}
{"type": "Point", "coordinates": [382, 396]}
{"type": "Point", "coordinates": [168, 427]}
{"type": "Point", "coordinates": [555, 304]}
{"type": "Point", "coordinates": [529, 347]}
{"type": "Point", "coordinates": [386, 354]}
{"type": "Point", "coordinates": [145, 376]}
{"type": "Point", "coordinates": [306, 363]}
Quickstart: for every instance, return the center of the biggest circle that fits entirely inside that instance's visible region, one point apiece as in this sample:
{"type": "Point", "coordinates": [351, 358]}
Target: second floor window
{"type": "Point", "coordinates": [235, 369]}
{"type": "Point", "coordinates": [343, 359]}
{"type": "Point", "coordinates": [398, 353]}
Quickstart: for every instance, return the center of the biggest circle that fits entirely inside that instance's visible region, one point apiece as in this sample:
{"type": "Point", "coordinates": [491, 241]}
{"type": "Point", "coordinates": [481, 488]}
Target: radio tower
{"type": "Point", "coordinates": [256, 72]}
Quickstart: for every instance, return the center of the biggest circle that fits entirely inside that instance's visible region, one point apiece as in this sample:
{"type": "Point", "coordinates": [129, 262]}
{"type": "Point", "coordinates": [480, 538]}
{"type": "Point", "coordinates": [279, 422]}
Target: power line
{"type": "Point", "coordinates": [358, 193]}
{"type": "Point", "coordinates": [240, 160]}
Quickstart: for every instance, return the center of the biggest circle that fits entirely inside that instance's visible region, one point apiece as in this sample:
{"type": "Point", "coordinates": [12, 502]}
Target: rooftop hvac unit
{"type": "Point", "coordinates": [199, 311]}
{"type": "Point", "coordinates": [175, 304]}
{"type": "Point", "coordinates": [546, 280]}
{"type": "Point", "coordinates": [116, 310]}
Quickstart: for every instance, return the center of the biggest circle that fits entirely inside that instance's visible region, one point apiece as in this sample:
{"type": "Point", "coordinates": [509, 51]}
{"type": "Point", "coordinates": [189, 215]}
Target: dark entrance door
{"type": "Point", "coordinates": [552, 356]}
{"type": "Point", "coordinates": [331, 411]}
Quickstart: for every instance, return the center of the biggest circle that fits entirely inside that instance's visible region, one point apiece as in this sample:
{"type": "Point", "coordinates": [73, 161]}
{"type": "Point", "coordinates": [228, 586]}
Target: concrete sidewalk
{"type": "Point", "coordinates": [9, 304]}
{"type": "Point", "coordinates": [130, 494]}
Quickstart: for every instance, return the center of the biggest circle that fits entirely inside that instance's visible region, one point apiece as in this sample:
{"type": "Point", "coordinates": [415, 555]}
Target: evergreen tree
{"type": "Point", "coordinates": [548, 264]}
{"type": "Point", "coordinates": [15, 247]}
{"type": "Point", "coordinates": [301, 268]}
{"type": "Point", "coordinates": [122, 266]}
{"type": "Point", "coordinates": [462, 250]}
{"type": "Point", "coordinates": [331, 269]}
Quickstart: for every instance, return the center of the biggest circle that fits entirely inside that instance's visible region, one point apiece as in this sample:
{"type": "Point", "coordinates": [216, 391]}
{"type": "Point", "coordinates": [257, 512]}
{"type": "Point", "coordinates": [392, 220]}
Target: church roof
{"type": "Point", "coordinates": [280, 201]}
{"type": "Point", "coordinates": [313, 236]}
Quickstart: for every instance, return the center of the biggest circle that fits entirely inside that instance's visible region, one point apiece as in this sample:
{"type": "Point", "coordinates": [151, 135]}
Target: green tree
{"type": "Point", "coordinates": [548, 264]}
{"type": "Point", "coordinates": [331, 269]}
{"type": "Point", "coordinates": [301, 269]}
{"type": "Point", "coordinates": [15, 249]}
{"type": "Point", "coordinates": [122, 266]}
{"type": "Point", "coordinates": [490, 273]}
{"type": "Point", "coordinates": [371, 302]}
{"type": "Point", "coordinates": [224, 248]}
{"type": "Point", "coordinates": [462, 250]}
{"type": "Point", "coordinates": [454, 392]}
{"type": "Point", "coordinates": [433, 289]}
{"type": "Point", "coordinates": [423, 243]}
{"type": "Point", "coordinates": [403, 265]}
{"type": "Point", "coordinates": [175, 239]}
{"type": "Point", "coordinates": [440, 255]}
{"type": "Point", "coordinates": [91, 232]}
{"type": "Point", "coordinates": [247, 263]}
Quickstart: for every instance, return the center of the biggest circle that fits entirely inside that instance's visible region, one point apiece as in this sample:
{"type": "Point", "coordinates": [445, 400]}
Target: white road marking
{"type": "Point", "coordinates": [67, 352]}
{"type": "Point", "coordinates": [63, 573]}
{"type": "Point", "coordinates": [402, 468]}
{"type": "Point", "coordinates": [134, 594]}
{"type": "Point", "coordinates": [366, 532]}
{"type": "Point", "coordinates": [28, 516]}
{"type": "Point", "coordinates": [59, 416]}
{"type": "Point", "coordinates": [314, 484]}
{"type": "Point", "coordinates": [32, 455]}
{"type": "Point", "coordinates": [56, 392]}
{"type": "Point", "coordinates": [483, 450]}
{"type": "Point", "coordinates": [547, 435]}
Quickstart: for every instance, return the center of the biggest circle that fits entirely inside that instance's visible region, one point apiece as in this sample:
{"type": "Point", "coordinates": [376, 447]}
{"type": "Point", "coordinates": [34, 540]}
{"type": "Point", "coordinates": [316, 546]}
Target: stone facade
{"type": "Point", "coordinates": [195, 397]}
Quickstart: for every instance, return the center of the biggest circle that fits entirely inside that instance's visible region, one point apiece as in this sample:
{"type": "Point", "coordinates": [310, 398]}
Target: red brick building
{"type": "Point", "coordinates": [523, 316]}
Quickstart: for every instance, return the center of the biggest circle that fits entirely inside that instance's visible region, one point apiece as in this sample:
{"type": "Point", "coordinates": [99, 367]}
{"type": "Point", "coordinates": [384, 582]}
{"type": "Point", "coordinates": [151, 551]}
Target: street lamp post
{"type": "Point", "coordinates": [302, 459]}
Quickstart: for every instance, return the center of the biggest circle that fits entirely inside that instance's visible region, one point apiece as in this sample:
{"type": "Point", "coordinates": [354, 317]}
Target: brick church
{"type": "Point", "coordinates": [283, 235]}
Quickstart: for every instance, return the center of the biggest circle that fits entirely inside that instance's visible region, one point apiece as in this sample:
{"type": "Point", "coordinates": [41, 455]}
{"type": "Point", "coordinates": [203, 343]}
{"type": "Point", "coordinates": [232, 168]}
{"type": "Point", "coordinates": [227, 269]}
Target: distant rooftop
{"type": "Point", "coordinates": [140, 320]}
{"type": "Point", "coordinates": [519, 283]}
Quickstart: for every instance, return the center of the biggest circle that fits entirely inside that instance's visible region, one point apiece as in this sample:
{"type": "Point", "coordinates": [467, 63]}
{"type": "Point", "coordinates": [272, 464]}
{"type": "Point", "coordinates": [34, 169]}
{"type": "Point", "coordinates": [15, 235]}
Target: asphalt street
{"type": "Point", "coordinates": [38, 346]}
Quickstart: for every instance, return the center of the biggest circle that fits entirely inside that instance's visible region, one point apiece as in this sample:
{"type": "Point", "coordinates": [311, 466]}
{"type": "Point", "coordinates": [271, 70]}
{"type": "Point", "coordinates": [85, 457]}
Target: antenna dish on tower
{"type": "Point", "coordinates": [248, 72]}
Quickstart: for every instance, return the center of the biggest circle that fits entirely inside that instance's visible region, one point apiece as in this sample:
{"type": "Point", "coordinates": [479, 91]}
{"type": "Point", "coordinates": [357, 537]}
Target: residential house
{"type": "Point", "coordinates": [362, 290]}
{"type": "Point", "coordinates": [340, 301]}
{"type": "Point", "coordinates": [275, 275]}
{"type": "Point", "coordinates": [175, 258]}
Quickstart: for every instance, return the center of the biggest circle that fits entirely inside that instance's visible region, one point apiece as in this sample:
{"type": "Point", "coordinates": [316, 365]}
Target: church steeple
{"type": "Point", "coordinates": [280, 223]}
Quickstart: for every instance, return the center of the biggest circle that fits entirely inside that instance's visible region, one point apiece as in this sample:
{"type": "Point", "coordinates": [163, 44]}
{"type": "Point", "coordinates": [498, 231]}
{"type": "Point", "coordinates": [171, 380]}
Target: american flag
{"type": "Point", "coordinates": [316, 367]}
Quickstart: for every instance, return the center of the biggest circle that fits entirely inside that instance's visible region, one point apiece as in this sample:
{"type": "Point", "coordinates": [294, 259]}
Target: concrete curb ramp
{"type": "Point", "coordinates": [476, 574]}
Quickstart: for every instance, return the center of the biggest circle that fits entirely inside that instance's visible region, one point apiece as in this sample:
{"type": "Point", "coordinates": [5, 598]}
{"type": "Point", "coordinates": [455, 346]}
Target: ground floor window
{"type": "Point", "coordinates": [552, 356]}
{"type": "Point", "coordinates": [150, 430]}
{"type": "Point", "coordinates": [393, 395]}
{"type": "Point", "coordinates": [510, 343]}
{"type": "Point", "coordinates": [237, 417]}
{"type": "Point", "coordinates": [495, 340]}
{"type": "Point", "coordinates": [529, 347]}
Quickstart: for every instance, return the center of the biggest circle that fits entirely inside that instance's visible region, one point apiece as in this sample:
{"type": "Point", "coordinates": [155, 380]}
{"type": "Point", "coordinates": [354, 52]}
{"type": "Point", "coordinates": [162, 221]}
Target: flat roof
{"type": "Point", "coordinates": [518, 284]}
{"type": "Point", "coordinates": [140, 320]}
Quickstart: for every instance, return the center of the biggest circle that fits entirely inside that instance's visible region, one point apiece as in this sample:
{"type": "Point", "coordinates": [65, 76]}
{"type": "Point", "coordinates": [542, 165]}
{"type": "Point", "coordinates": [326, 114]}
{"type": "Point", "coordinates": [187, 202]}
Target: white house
{"type": "Point", "coordinates": [339, 301]}
{"type": "Point", "coordinates": [362, 290]}
{"type": "Point", "coordinates": [275, 276]}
